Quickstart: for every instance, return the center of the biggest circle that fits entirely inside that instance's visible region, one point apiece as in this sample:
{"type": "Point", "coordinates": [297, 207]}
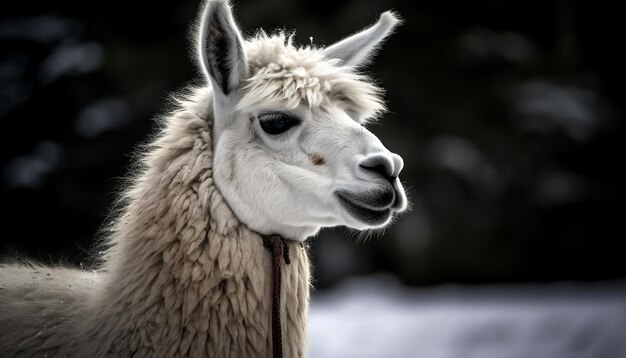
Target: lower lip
{"type": "Point", "coordinates": [368, 216]}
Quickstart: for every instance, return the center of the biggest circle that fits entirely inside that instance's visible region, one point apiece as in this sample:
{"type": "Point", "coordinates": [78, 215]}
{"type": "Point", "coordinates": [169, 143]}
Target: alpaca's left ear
{"type": "Point", "coordinates": [220, 48]}
{"type": "Point", "coordinates": [356, 50]}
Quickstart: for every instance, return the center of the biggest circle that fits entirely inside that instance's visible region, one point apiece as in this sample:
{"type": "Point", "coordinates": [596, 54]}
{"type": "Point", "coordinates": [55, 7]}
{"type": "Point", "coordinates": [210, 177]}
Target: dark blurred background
{"type": "Point", "coordinates": [509, 115]}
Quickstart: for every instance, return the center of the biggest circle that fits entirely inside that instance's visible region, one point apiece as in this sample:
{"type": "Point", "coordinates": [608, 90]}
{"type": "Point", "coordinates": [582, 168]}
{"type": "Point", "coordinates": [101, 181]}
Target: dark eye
{"type": "Point", "coordinates": [276, 123]}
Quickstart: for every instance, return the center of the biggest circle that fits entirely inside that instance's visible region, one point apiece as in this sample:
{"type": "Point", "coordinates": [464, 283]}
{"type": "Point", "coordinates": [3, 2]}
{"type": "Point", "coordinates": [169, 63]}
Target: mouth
{"type": "Point", "coordinates": [358, 207]}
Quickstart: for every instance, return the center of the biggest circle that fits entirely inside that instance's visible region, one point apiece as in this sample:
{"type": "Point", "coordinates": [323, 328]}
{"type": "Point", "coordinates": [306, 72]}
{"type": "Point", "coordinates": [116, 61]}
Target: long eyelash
{"type": "Point", "coordinates": [277, 115]}
{"type": "Point", "coordinates": [271, 116]}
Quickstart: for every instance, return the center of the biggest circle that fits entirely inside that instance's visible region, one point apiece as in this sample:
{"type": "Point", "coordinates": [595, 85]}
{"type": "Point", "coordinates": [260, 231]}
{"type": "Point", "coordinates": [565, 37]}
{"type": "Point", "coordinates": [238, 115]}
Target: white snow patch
{"type": "Point", "coordinates": [377, 317]}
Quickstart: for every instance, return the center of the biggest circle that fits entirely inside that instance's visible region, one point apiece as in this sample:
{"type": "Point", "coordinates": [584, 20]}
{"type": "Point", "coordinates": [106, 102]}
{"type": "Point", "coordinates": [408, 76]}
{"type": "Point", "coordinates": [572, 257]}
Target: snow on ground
{"type": "Point", "coordinates": [378, 317]}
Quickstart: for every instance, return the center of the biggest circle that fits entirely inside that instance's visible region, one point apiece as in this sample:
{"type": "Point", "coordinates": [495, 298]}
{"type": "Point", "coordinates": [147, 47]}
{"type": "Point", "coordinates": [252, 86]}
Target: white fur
{"type": "Point", "coordinates": [184, 272]}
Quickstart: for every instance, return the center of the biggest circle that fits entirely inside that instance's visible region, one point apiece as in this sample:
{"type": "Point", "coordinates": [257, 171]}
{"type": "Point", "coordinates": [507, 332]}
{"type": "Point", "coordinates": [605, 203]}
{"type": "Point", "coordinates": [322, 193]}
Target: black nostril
{"type": "Point", "coordinates": [381, 169]}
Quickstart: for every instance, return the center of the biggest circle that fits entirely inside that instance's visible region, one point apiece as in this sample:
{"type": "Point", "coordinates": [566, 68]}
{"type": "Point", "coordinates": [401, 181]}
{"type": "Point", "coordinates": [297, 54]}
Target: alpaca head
{"type": "Point", "coordinates": [292, 154]}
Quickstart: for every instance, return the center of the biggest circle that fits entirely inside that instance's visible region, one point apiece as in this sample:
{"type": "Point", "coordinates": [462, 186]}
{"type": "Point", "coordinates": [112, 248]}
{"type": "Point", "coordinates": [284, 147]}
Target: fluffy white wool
{"type": "Point", "coordinates": [285, 76]}
{"type": "Point", "coordinates": [182, 276]}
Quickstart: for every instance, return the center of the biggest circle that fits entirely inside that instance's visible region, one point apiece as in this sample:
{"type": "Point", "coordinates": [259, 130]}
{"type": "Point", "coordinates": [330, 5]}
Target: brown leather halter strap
{"type": "Point", "coordinates": [278, 247]}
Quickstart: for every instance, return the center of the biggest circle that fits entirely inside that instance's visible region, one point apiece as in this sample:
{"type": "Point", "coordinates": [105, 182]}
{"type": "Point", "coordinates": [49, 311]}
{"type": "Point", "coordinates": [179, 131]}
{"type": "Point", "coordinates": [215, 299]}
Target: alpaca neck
{"type": "Point", "coordinates": [181, 264]}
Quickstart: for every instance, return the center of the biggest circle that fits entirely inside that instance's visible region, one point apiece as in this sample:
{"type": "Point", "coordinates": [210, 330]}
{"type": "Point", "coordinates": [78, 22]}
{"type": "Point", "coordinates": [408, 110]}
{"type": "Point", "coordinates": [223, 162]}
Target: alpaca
{"type": "Point", "coordinates": [273, 143]}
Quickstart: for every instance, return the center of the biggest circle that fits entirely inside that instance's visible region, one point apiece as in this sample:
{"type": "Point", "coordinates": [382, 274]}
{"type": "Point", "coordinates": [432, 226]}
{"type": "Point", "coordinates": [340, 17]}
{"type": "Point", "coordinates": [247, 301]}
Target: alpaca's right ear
{"type": "Point", "coordinates": [220, 48]}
